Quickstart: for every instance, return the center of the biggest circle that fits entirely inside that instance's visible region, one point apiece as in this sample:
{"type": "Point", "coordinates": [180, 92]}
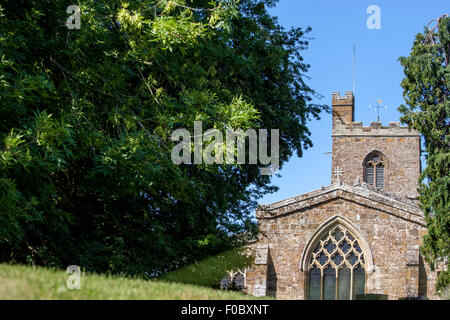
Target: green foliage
{"type": "Point", "coordinates": [86, 117]}
{"type": "Point", "coordinates": [426, 90]}
{"type": "Point", "coordinates": [210, 271]}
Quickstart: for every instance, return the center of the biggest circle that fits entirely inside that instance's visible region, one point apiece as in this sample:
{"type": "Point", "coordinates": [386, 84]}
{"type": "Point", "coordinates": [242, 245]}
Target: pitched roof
{"type": "Point", "coordinates": [359, 194]}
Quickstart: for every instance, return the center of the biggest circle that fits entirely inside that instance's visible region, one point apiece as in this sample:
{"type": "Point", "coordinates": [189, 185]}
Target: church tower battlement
{"type": "Point", "coordinates": [343, 108]}
{"type": "Point", "coordinates": [385, 157]}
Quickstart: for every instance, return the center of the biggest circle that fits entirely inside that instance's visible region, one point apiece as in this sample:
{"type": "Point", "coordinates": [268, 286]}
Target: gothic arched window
{"type": "Point", "coordinates": [374, 166]}
{"type": "Point", "coordinates": [336, 269]}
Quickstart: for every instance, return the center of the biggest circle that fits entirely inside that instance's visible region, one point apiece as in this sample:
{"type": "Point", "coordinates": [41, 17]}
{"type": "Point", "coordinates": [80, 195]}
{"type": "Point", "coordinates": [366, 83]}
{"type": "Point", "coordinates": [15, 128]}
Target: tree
{"type": "Point", "coordinates": [426, 90]}
{"type": "Point", "coordinates": [86, 117]}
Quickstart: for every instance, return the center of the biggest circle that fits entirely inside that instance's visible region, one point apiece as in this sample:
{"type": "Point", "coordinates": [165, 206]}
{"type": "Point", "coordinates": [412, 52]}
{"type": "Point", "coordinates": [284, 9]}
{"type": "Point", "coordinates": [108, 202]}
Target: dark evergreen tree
{"type": "Point", "coordinates": [426, 91]}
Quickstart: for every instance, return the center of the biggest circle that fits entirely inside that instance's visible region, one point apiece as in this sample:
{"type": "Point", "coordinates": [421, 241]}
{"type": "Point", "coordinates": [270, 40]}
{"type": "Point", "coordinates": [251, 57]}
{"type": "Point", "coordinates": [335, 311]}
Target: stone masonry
{"type": "Point", "coordinates": [388, 223]}
{"type": "Point", "coordinates": [352, 143]}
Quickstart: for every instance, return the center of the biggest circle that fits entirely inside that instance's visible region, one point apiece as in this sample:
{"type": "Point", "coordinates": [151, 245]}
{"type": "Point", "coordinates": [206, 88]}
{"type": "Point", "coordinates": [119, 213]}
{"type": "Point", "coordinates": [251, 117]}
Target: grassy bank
{"type": "Point", "coordinates": [25, 282]}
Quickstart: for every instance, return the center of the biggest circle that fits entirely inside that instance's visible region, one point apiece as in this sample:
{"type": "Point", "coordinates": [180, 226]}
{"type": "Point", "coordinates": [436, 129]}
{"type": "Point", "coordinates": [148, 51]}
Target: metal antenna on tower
{"type": "Point", "coordinates": [354, 70]}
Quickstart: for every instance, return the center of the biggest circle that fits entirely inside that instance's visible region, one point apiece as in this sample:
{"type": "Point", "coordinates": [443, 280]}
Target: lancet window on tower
{"type": "Point", "coordinates": [374, 169]}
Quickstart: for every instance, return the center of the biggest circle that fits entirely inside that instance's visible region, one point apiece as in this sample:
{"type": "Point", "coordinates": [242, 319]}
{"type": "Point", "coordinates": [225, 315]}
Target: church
{"type": "Point", "coordinates": [357, 237]}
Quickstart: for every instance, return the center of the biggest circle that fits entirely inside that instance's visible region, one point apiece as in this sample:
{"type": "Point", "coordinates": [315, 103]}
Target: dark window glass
{"type": "Point", "coordinates": [345, 246]}
{"type": "Point", "coordinates": [352, 258]}
{"type": "Point", "coordinates": [338, 234]}
{"type": "Point", "coordinates": [380, 176]}
{"type": "Point", "coordinates": [344, 284]}
{"type": "Point", "coordinates": [337, 258]}
{"type": "Point", "coordinates": [322, 258]}
{"type": "Point", "coordinates": [329, 284]}
{"type": "Point", "coordinates": [330, 246]}
{"type": "Point", "coordinates": [358, 281]}
{"type": "Point", "coordinates": [349, 236]}
{"type": "Point", "coordinates": [369, 174]}
{"type": "Point", "coordinates": [314, 283]}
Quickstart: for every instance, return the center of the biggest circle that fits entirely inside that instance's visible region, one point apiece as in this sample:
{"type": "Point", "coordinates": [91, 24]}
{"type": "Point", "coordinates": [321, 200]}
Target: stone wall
{"type": "Point", "coordinates": [393, 238]}
{"type": "Point", "coordinates": [343, 108]}
{"type": "Point", "coordinates": [400, 147]}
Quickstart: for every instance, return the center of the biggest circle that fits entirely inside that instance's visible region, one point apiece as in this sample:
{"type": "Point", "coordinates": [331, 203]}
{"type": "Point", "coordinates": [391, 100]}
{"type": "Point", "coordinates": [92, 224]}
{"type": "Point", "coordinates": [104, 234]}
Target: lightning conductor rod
{"type": "Point", "coordinates": [354, 70]}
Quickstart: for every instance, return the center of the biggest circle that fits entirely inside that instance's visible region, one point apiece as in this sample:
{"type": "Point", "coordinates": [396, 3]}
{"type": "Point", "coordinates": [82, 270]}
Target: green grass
{"type": "Point", "coordinates": [209, 271]}
{"type": "Point", "coordinates": [25, 282]}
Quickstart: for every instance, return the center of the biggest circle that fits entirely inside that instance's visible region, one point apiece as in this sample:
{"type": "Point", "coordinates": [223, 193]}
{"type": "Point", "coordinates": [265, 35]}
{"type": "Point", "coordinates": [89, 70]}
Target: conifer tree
{"type": "Point", "coordinates": [426, 89]}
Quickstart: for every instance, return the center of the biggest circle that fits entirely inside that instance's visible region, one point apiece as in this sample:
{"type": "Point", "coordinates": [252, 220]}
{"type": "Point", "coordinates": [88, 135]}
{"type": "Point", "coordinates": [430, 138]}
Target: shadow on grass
{"type": "Point", "coordinates": [210, 271]}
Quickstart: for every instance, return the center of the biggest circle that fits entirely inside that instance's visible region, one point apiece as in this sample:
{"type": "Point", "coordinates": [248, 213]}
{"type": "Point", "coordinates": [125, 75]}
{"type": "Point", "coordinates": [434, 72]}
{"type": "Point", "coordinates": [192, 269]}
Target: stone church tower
{"type": "Point", "coordinates": [360, 235]}
{"type": "Point", "coordinates": [354, 146]}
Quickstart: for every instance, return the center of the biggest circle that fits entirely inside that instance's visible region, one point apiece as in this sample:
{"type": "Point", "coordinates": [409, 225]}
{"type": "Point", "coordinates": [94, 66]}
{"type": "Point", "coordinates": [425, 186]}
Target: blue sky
{"type": "Point", "coordinates": [336, 27]}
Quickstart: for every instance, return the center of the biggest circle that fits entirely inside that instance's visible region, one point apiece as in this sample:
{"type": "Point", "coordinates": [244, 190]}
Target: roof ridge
{"type": "Point", "coordinates": [359, 191]}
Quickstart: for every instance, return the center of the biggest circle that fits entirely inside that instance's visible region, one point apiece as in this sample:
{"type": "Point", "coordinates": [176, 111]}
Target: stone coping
{"type": "Point", "coordinates": [375, 129]}
{"type": "Point", "coordinates": [357, 194]}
